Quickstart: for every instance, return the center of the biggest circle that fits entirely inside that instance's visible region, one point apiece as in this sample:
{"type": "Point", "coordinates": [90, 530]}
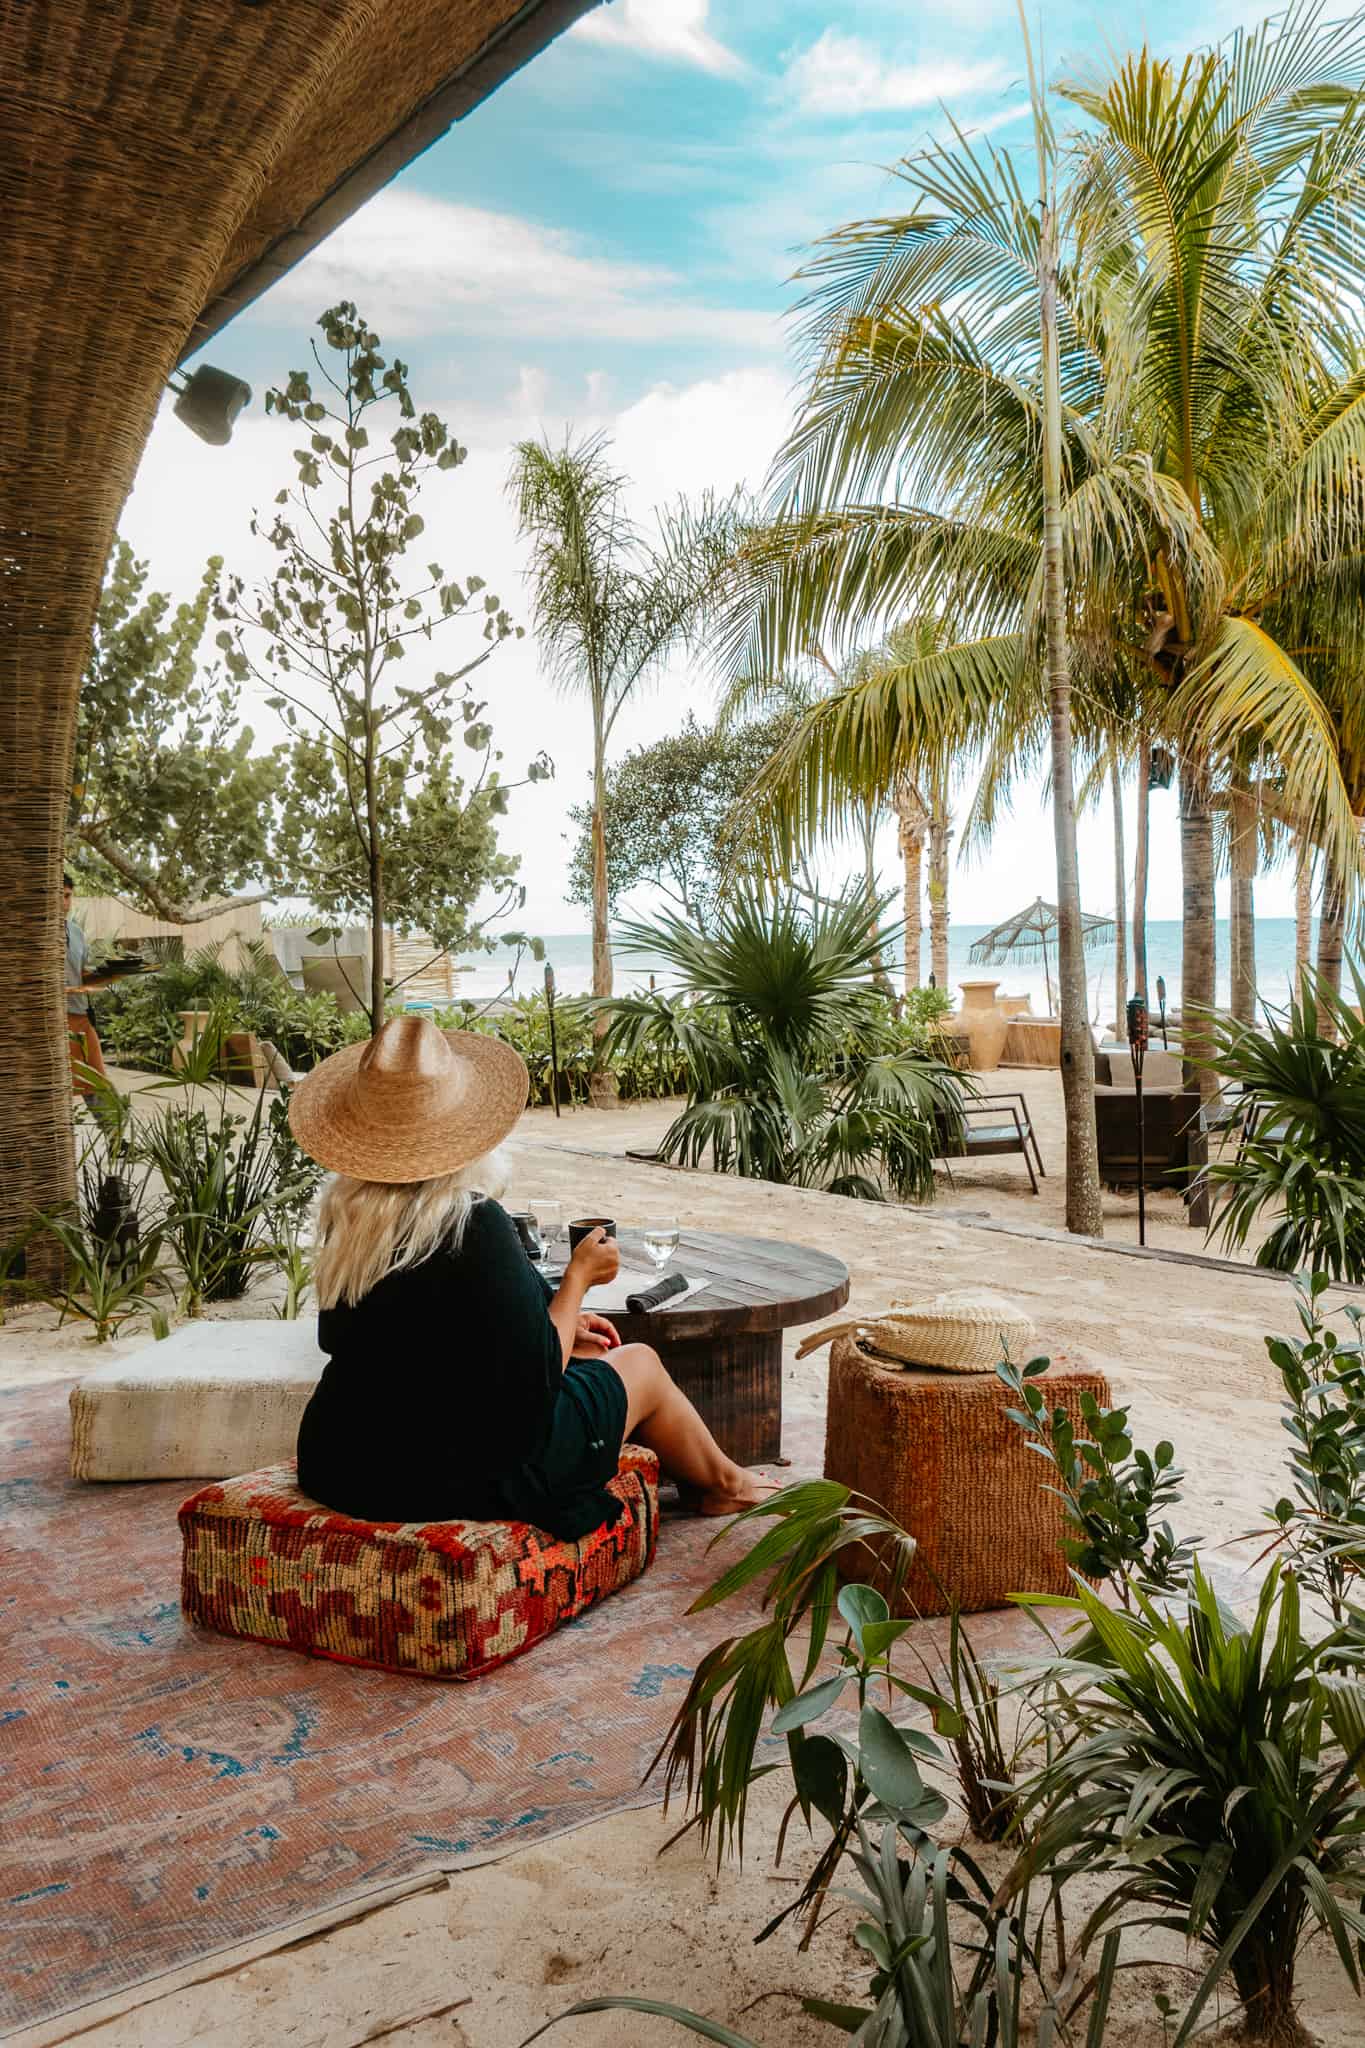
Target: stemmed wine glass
{"type": "Point", "coordinates": [547, 1218]}
{"type": "Point", "coordinates": [659, 1236]}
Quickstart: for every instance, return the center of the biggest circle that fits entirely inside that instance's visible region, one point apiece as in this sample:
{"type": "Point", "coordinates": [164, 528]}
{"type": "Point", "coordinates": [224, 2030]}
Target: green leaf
{"type": "Point", "coordinates": [860, 1605]}
{"type": "Point", "coordinates": [820, 1769]}
{"type": "Point", "coordinates": [808, 1706]}
{"type": "Point", "coordinates": [847, 2018]}
{"type": "Point", "coordinates": [890, 1770]}
{"type": "Point", "coordinates": [710, 2030]}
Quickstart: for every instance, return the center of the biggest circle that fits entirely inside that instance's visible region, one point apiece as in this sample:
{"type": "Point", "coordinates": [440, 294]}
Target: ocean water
{"type": "Point", "coordinates": [570, 954]}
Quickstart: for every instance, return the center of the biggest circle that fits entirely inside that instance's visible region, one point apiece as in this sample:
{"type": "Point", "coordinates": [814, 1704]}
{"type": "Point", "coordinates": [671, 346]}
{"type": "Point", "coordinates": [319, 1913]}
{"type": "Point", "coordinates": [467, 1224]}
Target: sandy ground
{"type": "Point", "coordinates": [480, 1959]}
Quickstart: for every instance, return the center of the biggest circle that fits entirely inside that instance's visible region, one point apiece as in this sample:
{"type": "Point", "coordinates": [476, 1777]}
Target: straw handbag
{"type": "Point", "coordinates": [965, 1331]}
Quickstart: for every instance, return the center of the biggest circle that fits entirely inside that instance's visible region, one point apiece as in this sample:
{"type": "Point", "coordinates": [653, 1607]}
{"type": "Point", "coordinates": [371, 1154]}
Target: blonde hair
{"type": "Point", "coordinates": [369, 1228]}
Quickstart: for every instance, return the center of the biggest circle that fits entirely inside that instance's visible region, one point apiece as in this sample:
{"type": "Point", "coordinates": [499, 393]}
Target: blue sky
{"type": "Point", "coordinates": [607, 243]}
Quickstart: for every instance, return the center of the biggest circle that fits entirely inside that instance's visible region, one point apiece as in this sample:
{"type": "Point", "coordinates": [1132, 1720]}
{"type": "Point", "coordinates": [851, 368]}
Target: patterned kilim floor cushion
{"type": "Point", "coordinates": [440, 1599]}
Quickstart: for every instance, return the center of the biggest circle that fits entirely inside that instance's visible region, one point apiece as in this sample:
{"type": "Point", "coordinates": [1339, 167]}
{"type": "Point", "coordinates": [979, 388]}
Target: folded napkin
{"type": "Point", "coordinates": [654, 1297]}
{"type": "Point", "coordinates": [621, 1295]}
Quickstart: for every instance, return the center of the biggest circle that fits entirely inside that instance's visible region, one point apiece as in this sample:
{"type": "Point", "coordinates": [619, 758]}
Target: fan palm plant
{"type": "Point", "coordinates": [794, 1073]}
{"type": "Point", "coordinates": [610, 607]}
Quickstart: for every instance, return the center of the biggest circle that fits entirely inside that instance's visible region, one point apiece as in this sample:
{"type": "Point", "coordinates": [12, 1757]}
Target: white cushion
{"type": "Point", "coordinates": [212, 1400]}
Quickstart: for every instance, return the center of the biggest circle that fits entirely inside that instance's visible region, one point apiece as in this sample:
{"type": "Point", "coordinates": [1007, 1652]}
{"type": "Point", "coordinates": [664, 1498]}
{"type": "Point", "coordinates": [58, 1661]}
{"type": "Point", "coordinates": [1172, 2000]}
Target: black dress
{"type": "Point", "coordinates": [445, 1398]}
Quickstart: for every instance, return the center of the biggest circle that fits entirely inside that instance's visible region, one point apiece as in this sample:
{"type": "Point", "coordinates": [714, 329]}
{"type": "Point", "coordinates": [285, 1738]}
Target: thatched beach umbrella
{"type": "Point", "coordinates": [1026, 935]}
{"type": "Point", "coordinates": [161, 164]}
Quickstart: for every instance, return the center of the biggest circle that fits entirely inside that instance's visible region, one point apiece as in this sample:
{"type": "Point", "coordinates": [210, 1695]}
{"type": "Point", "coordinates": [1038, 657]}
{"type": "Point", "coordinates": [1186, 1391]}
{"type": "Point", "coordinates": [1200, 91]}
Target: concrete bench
{"type": "Point", "coordinates": [213, 1399]}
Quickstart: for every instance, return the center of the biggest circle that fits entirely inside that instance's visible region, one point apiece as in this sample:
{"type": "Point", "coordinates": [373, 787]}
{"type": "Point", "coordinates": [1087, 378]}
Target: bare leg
{"type": "Point", "coordinates": [659, 1415]}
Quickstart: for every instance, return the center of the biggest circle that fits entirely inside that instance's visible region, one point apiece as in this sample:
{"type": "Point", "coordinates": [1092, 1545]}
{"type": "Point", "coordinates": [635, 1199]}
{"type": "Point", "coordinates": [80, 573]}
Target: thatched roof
{"type": "Point", "coordinates": [161, 162]}
{"type": "Point", "coordinates": [406, 88]}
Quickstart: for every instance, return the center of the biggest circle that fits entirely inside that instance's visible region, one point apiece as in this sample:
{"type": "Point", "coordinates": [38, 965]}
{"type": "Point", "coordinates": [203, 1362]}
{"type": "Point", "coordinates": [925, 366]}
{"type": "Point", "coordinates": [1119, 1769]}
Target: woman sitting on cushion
{"type": "Point", "coordinates": [458, 1387]}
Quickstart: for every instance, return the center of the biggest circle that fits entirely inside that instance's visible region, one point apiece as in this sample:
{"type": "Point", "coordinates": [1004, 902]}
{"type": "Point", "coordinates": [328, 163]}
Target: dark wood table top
{"type": "Point", "coordinates": [758, 1285]}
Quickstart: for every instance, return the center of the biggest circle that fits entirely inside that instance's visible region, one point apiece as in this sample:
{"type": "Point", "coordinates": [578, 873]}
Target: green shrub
{"type": "Point", "coordinates": [1303, 1082]}
{"type": "Point", "coordinates": [1196, 1770]}
{"type": "Point", "coordinates": [796, 1071]}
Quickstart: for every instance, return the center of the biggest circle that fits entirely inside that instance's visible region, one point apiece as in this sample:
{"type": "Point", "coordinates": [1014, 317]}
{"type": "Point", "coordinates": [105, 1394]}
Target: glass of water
{"type": "Point", "coordinates": [548, 1217]}
{"type": "Point", "coordinates": [659, 1235]}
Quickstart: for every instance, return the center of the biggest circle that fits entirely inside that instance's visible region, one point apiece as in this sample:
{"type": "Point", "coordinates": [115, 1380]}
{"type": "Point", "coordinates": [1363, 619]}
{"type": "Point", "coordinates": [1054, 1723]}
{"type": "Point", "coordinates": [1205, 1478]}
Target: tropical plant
{"type": "Point", "coordinates": [933, 1985]}
{"type": "Point", "coordinates": [1111, 1492]}
{"type": "Point", "coordinates": [1206, 1772]}
{"type": "Point", "coordinates": [376, 815]}
{"type": "Point", "coordinates": [107, 1284]}
{"type": "Point", "coordinates": [226, 1178]}
{"type": "Point", "coordinates": [1301, 1158]}
{"type": "Point", "coordinates": [1321, 1526]}
{"type": "Point", "coordinates": [610, 608]}
{"type": "Point", "coordinates": [793, 1075]}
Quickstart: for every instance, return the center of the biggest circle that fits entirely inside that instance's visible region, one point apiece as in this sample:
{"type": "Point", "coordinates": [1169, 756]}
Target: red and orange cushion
{"type": "Point", "coordinates": [438, 1599]}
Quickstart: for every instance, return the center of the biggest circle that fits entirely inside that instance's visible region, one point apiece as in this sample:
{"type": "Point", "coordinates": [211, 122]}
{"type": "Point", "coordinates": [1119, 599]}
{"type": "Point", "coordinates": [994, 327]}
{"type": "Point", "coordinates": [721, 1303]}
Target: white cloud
{"type": "Point", "coordinates": [671, 29]}
{"type": "Point", "coordinates": [190, 501]}
{"type": "Point", "coordinates": [420, 265]}
{"type": "Point", "coordinates": [842, 74]}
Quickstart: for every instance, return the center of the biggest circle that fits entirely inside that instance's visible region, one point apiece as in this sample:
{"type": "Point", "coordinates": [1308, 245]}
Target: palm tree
{"type": "Point", "coordinates": [610, 607]}
{"type": "Point", "coordinates": [1210, 515]}
{"type": "Point", "coordinates": [921, 809]}
{"type": "Point", "coordinates": [1216, 202]}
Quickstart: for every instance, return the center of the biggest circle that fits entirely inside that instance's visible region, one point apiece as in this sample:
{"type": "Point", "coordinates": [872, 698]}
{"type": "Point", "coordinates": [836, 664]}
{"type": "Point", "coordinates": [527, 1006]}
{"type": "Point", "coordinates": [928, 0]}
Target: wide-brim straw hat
{"type": "Point", "coordinates": [411, 1103]}
{"type": "Point", "coordinates": [966, 1330]}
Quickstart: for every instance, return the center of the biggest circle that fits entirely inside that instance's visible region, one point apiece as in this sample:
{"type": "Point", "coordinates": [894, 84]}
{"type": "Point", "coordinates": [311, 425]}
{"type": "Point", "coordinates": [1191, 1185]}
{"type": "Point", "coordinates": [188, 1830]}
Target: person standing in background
{"type": "Point", "coordinates": [85, 1044]}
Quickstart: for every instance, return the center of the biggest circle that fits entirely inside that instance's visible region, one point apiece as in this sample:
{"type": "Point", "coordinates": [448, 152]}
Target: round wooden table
{"type": "Point", "coordinates": [724, 1346]}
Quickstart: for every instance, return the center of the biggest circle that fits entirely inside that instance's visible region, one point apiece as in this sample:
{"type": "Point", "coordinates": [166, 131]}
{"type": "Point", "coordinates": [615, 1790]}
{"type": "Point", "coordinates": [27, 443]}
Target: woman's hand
{"type": "Point", "coordinates": [596, 1259]}
{"type": "Point", "coordinates": [594, 1335]}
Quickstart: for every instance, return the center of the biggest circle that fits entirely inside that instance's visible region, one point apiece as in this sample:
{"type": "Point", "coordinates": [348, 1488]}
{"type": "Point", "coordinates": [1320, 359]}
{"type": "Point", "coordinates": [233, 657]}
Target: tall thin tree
{"type": "Point", "coordinates": [610, 607]}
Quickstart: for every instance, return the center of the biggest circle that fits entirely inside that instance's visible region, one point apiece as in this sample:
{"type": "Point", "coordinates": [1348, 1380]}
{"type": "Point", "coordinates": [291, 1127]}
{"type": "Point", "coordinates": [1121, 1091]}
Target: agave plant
{"type": "Point", "coordinates": [1303, 1082]}
{"type": "Point", "coordinates": [793, 1072]}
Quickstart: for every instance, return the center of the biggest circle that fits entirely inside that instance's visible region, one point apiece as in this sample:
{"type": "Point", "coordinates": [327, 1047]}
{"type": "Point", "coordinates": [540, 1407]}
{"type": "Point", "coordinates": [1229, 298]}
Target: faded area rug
{"type": "Point", "coordinates": [165, 1793]}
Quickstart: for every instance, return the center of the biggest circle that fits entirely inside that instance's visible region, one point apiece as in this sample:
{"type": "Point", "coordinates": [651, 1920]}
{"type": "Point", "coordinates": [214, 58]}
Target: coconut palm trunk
{"type": "Point", "coordinates": [1242, 920]}
{"type": "Point", "coordinates": [1083, 1210]}
{"type": "Point", "coordinates": [1331, 932]}
{"type": "Point", "coordinates": [911, 822]}
{"type": "Point", "coordinates": [1120, 899]}
{"type": "Point", "coordinates": [1303, 911]}
{"type": "Point", "coordinates": [940, 834]}
{"type": "Point", "coordinates": [1198, 957]}
{"type": "Point", "coordinates": [602, 1091]}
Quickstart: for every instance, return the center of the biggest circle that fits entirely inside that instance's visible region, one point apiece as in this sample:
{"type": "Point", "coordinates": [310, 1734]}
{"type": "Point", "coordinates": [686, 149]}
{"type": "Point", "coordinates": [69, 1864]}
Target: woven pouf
{"type": "Point", "coordinates": [938, 1452]}
{"type": "Point", "coordinates": [436, 1599]}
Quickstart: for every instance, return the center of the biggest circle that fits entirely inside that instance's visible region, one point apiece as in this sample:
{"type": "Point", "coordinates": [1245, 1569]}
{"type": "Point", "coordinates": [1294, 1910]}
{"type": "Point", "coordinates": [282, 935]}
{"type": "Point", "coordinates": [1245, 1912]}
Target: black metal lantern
{"type": "Point", "coordinates": [209, 402]}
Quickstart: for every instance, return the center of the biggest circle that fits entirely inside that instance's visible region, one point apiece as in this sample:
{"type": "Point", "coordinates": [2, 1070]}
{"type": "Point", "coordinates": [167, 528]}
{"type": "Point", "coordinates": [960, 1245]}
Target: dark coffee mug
{"type": "Point", "coordinates": [584, 1226]}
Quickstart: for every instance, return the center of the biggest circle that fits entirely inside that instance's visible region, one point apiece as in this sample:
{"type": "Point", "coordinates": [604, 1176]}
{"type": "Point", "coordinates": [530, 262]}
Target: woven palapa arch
{"type": "Point", "coordinates": [160, 164]}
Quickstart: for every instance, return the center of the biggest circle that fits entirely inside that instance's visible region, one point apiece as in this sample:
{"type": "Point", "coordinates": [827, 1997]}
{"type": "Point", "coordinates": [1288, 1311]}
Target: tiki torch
{"type": "Point", "coordinates": [554, 1045]}
{"type": "Point", "coordinates": [1137, 1049]}
{"type": "Point", "coordinates": [1161, 1000]}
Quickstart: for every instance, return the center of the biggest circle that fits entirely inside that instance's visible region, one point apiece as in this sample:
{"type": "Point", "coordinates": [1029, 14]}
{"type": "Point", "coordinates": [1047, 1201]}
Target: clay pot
{"type": "Point", "coordinates": [193, 1025]}
{"type": "Point", "coordinates": [984, 1022]}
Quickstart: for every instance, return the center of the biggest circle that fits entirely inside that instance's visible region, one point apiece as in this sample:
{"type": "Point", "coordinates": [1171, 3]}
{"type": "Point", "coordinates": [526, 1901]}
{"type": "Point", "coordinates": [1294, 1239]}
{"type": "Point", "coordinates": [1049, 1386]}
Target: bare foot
{"type": "Point", "coordinates": [732, 1500]}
